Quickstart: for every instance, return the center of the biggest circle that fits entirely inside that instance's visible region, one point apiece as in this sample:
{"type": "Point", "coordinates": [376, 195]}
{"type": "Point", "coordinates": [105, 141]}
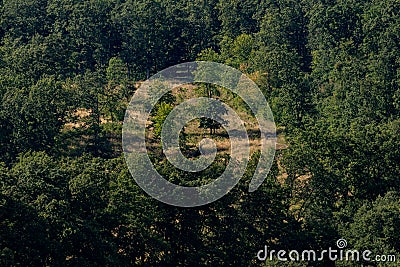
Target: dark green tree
{"type": "Point", "coordinates": [33, 117]}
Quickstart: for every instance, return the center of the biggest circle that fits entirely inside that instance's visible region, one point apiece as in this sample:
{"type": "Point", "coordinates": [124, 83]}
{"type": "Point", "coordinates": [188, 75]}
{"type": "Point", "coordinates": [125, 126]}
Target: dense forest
{"type": "Point", "coordinates": [329, 69]}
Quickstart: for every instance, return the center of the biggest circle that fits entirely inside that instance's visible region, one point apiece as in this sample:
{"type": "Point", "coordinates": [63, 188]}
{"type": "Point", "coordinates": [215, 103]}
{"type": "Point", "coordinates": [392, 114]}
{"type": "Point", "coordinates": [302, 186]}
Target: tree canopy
{"type": "Point", "coordinates": [330, 70]}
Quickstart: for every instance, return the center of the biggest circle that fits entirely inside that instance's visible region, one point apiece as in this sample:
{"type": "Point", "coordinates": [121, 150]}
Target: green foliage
{"type": "Point", "coordinates": [34, 116]}
{"type": "Point", "coordinates": [118, 90]}
{"type": "Point", "coordinates": [23, 19]}
{"type": "Point", "coordinates": [330, 71]}
{"type": "Point", "coordinates": [163, 109]}
{"type": "Point", "coordinates": [237, 17]}
{"type": "Point", "coordinates": [375, 226]}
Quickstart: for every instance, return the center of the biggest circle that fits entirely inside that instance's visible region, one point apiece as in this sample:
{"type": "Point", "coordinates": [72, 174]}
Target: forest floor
{"type": "Point", "coordinates": [194, 134]}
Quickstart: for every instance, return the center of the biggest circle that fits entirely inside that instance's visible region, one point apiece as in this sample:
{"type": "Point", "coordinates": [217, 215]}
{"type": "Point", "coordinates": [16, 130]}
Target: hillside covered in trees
{"type": "Point", "coordinates": [329, 69]}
